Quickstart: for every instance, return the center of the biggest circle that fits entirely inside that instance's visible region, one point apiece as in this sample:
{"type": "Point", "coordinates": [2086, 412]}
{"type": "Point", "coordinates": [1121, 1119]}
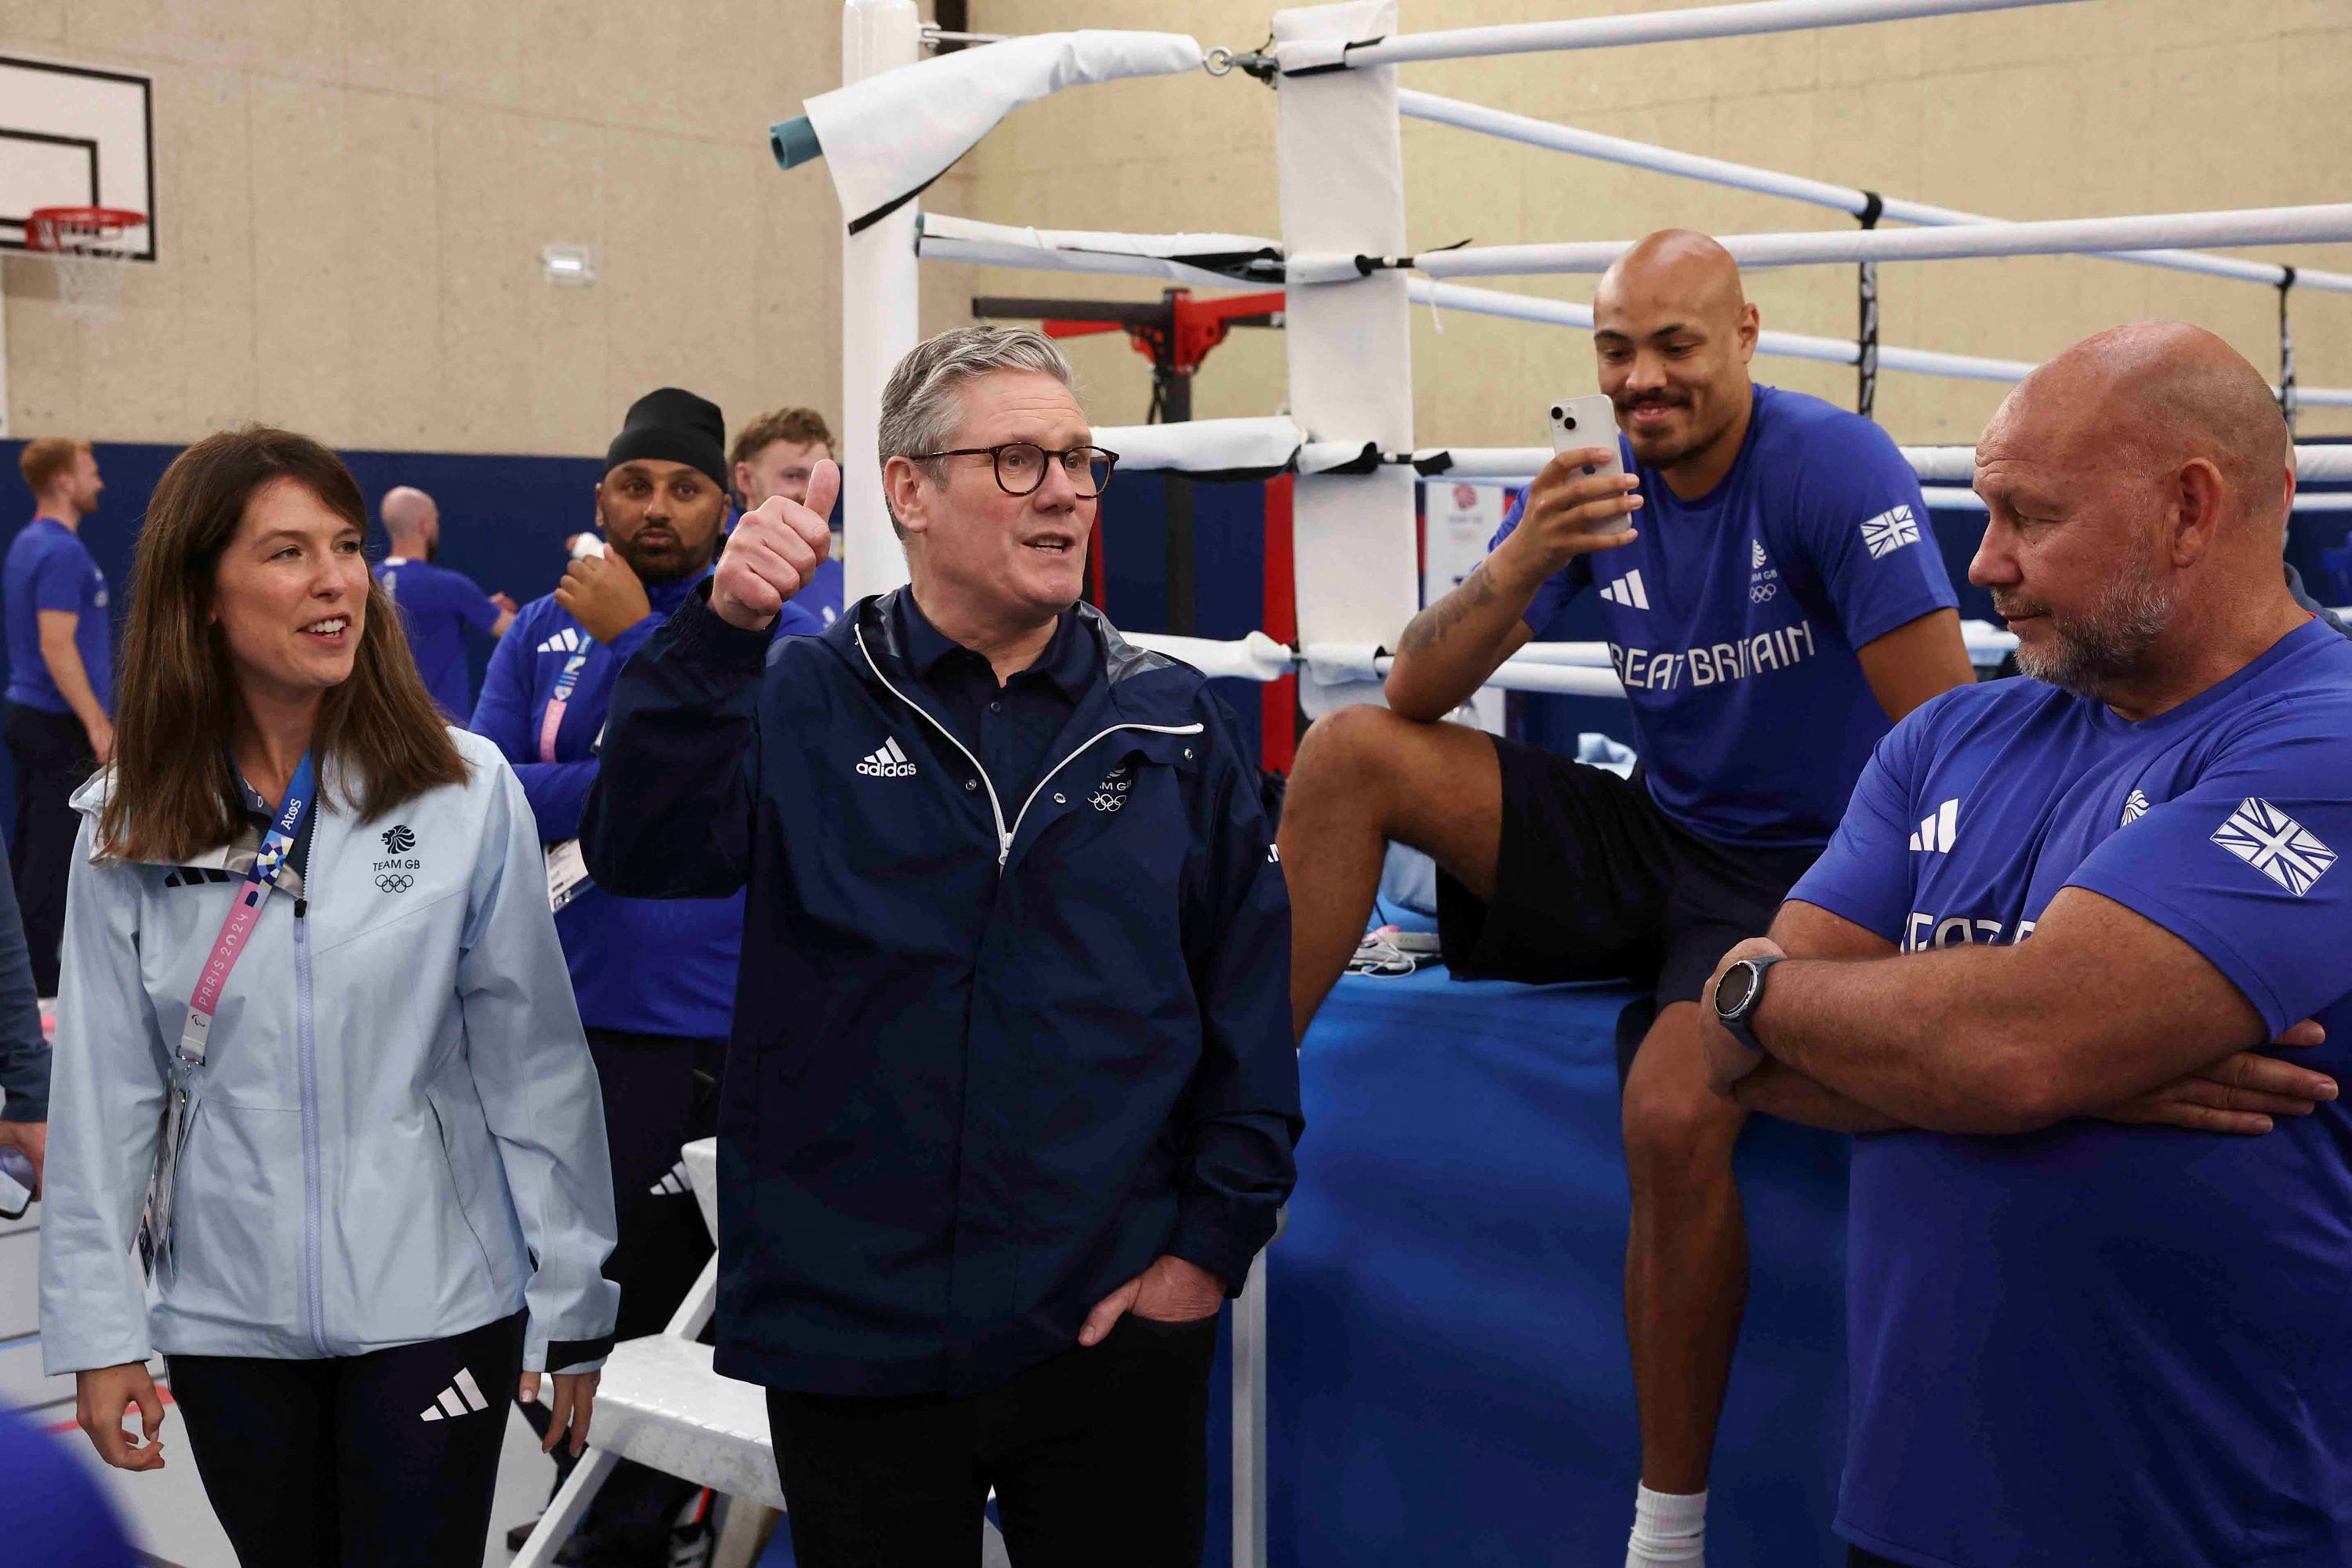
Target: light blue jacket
{"type": "Point", "coordinates": [398, 1111]}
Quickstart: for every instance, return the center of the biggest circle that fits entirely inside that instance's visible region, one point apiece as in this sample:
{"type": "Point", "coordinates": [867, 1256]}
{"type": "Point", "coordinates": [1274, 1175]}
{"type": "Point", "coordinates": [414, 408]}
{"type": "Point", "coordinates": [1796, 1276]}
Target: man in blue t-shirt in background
{"type": "Point", "coordinates": [437, 604]}
{"type": "Point", "coordinates": [1780, 601]}
{"type": "Point", "coordinates": [2073, 1342]}
{"type": "Point", "coordinates": [776, 455]}
{"type": "Point", "coordinates": [60, 701]}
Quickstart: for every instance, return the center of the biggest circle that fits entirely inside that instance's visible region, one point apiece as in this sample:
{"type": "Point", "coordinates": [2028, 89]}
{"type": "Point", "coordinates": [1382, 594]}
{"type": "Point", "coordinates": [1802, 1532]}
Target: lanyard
{"type": "Point", "coordinates": [246, 912]}
{"type": "Point", "coordinates": [562, 699]}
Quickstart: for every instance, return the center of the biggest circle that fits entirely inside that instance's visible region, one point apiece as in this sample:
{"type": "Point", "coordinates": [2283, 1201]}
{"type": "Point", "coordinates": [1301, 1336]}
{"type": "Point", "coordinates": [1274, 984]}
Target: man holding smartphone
{"type": "Point", "coordinates": [1779, 606]}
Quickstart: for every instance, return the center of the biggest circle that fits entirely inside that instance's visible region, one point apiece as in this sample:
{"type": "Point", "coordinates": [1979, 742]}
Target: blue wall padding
{"type": "Point", "coordinates": [1228, 568]}
{"type": "Point", "coordinates": [1450, 1375]}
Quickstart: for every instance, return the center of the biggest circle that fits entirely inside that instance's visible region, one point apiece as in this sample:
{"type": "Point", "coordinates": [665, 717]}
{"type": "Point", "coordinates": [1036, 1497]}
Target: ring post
{"type": "Point", "coordinates": [879, 296]}
{"type": "Point", "coordinates": [1340, 161]}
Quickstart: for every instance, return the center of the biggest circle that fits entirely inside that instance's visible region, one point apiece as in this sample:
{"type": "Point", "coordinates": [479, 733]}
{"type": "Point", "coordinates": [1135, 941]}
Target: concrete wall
{"type": "Point", "coordinates": [354, 194]}
{"type": "Point", "coordinates": [2112, 106]}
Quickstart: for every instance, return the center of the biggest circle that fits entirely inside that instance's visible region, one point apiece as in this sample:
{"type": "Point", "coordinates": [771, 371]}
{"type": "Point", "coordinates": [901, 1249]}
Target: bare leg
{"type": "Point", "coordinates": [1686, 1256]}
{"type": "Point", "coordinates": [1365, 776]}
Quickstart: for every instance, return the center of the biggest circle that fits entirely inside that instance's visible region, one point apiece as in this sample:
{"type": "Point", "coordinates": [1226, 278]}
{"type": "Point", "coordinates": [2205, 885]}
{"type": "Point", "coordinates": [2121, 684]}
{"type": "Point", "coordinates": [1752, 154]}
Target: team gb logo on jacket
{"type": "Point", "coordinates": [396, 873]}
{"type": "Point", "coordinates": [1112, 794]}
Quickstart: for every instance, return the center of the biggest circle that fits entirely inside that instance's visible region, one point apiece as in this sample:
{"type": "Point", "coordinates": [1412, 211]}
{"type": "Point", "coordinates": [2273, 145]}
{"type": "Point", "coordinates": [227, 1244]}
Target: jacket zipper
{"type": "Point", "coordinates": [1005, 836]}
{"type": "Point", "coordinates": [313, 1265]}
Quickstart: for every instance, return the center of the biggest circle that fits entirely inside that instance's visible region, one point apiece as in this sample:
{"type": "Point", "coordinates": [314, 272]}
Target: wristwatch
{"type": "Point", "coordinates": [1738, 995]}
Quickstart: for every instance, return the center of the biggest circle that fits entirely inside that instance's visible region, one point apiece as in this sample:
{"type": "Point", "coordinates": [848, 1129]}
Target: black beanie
{"type": "Point", "coordinates": [675, 424]}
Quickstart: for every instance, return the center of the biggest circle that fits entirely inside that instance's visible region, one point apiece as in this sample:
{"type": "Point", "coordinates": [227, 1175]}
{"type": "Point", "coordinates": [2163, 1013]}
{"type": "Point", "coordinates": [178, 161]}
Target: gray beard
{"type": "Point", "coordinates": [2096, 651]}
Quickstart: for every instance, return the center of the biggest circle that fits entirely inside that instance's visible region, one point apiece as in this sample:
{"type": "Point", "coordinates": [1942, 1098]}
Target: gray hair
{"type": "Point", "coordinates": [922, 403]}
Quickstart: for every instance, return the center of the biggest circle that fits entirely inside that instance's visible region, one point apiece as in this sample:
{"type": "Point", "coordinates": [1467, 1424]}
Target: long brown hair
{"type": "Point", "coordinates": [175, 793]}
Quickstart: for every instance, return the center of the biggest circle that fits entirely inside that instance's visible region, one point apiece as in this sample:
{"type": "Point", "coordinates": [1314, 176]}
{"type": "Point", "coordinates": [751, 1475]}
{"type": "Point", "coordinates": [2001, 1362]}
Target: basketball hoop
{"type": "Point", "coordinates": [81, 245]}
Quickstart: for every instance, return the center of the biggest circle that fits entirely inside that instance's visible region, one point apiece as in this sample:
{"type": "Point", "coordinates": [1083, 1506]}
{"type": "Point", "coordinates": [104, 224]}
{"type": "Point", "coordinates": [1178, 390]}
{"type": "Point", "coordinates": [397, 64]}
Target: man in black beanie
{"type": "Point", "coordinates": [654, 980]}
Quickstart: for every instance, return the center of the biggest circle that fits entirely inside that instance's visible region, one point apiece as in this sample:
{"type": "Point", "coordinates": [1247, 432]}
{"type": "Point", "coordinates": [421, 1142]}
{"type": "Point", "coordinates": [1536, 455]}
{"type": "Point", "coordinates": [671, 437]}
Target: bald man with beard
{"type": "Point", "coordinates": [1778, 603]}
{"type": "Point", "coordinates": [2078, 1340]}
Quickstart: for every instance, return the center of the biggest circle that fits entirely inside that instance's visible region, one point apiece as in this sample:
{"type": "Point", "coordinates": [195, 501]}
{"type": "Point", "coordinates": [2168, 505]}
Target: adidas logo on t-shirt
{"type": "Point", "coordinates": [1890, 530]}
{"type": "Point", "coordinates": [887, 761]}
{"type": "Point", "coordinates": [462, 1397]}
{"type": "Point", "coordinates": [1627, 591]}
{"type": "Point", "coordinates": [675, 1180]}
{"type": "Point", "coordinates": [568, 640]}
{"type": "Point", "coordinates": [1937, 830]}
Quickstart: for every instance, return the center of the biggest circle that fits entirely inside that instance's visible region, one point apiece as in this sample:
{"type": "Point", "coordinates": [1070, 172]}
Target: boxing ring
{"type": "Point", "coordinates": [1348, 453]}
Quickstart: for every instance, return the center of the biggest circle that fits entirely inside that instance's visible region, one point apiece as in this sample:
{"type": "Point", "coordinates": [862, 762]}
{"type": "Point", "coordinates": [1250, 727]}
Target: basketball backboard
{"type": "Point", "coordinates": [74, 135]}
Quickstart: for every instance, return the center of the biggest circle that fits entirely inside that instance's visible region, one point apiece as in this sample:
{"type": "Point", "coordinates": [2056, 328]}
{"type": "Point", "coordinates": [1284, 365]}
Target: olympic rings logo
{"type": "Point", "coordinates": [392, 882]}
{"type": "Point", "coordinates": [1759, 593]}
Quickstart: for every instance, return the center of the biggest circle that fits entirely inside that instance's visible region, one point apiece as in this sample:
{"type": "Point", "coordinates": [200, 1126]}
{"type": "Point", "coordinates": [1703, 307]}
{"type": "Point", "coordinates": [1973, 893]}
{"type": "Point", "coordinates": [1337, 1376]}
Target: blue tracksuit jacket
{"type": "Point", "coordinates": [991, 1057]}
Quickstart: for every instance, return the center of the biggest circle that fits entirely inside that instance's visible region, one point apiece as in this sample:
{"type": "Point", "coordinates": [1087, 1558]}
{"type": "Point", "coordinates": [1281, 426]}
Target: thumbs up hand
{"type": "Point", "coordinates": [774, 552]}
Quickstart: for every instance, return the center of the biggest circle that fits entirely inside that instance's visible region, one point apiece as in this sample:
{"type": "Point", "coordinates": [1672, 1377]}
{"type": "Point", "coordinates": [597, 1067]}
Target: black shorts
{"type": "Point", "coordinates": [1592, 881]}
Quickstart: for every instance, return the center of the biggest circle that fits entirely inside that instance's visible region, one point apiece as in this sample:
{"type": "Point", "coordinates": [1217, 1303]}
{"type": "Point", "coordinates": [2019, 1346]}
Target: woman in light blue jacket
{"type": "Point", "coordinates": [324, 1130]}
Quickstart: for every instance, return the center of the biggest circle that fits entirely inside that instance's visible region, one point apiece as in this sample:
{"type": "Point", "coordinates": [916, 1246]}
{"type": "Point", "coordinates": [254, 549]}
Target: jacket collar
{"type": "Point", "coordinates": [667, 596]}
{"type": "Point", "coordinates": [1068, 660]}
{"type": "Point", "coordinates": [1124, 670]}
{"type": "Point", "coordinates": [237, 855]}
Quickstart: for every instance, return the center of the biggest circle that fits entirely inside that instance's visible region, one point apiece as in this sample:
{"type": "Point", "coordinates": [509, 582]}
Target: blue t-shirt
{"type": "Point", "coordinates": [2097, 1345]}
{"type": "Point", "coordinates": [1733, 619]}
{"type": "Point", "coordinates": [436, 605]}
{"type": "Point", "coordinates": [49, 568]}
{"type": "Point", "coordinates": [653, 966]}
{"type": "Point", "coordinates": [822, 597]}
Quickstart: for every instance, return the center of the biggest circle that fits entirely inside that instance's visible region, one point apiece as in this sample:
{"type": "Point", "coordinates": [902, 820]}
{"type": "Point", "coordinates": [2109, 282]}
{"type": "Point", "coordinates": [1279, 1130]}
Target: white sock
{"type": "Point", "coordinates": [1669, 1527]}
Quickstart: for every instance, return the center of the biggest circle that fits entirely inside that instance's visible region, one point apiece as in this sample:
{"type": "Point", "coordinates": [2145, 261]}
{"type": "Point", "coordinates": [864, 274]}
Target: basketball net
{"type": "Point", "coordinates": [82, 246]}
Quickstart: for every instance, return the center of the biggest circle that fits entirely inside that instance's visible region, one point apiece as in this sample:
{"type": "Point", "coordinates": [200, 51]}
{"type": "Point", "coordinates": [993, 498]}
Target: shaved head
{"type": "Point", "coordinates": [2167, 394]}
{"type": "Point", "coordinates": [2138, 485]}
{"type": "Point", "coordinates": [405, 509]}
{"type": "Point", "coordinates": [411, 520]}
{"type": "Point", "coordinates": [1673, 331]}
{"type": "Point", "coordinates": [1679, 265]}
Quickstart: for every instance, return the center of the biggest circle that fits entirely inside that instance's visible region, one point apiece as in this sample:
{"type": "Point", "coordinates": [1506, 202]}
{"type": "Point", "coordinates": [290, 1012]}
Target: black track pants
{"type": "Point", "coordinates": [51, 752]}
{"type": "Point", "coordinates": [333, 1464]}
{"type": "Point", "coordinates": [1098, 1456]}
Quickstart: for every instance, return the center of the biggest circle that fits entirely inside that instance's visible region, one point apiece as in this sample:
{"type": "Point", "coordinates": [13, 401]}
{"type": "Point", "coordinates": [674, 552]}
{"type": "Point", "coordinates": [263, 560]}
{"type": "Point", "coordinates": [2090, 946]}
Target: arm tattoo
{"type": "Point", "coordinates": [1431, 627]}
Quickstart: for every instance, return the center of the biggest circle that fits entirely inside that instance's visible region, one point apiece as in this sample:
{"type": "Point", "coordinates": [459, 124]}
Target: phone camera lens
{"type": "Point", "coordinates": [1571, 423]}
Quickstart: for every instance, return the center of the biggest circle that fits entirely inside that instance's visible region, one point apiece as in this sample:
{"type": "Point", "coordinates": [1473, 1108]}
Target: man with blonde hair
{"type": "Point", "coordinates": [776, 455]}
{"type": "Point", "coordinates": [61, 695]}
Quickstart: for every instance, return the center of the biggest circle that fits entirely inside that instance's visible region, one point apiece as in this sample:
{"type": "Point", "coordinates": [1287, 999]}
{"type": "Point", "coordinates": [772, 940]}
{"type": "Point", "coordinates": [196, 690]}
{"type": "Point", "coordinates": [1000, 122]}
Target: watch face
{"type": "Point", "coordinates": [1733, 991]}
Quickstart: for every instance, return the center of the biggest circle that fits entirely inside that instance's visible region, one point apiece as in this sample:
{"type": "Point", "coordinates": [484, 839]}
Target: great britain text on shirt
{"type": "Point", "coordinates": [1712, 664]}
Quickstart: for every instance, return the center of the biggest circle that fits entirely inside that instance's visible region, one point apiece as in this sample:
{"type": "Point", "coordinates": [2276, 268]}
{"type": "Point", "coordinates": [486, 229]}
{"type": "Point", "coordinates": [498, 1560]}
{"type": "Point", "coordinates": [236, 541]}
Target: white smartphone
{"type": "Point", "coordinates": [1591, 422]}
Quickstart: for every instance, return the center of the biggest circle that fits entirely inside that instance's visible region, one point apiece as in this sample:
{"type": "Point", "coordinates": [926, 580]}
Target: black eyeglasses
{"type": "Point", "coordinates": [1021, 466]}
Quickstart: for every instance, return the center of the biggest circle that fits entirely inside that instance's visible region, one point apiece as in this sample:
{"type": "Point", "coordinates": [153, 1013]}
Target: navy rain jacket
{"type": "Point", "coordinates": [990, 1056]}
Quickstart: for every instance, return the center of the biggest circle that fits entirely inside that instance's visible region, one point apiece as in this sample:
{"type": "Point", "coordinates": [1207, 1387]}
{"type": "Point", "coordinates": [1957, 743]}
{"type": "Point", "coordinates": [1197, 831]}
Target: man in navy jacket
{"type": "Point", "coordinates": [1011, 1094]}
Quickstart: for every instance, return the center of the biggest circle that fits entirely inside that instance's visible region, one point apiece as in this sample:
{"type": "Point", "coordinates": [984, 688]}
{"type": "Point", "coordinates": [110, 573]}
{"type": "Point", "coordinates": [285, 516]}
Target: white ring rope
{"type": "Point", "coordinates": [1243, 260]}
{"type": "Point", "coordinates": [1609, 32]}
{"type": "Point", "coordinates": [2318, 225]}
{"type": "Point", "coordinates": [1207, 261]}
{"type": "Point", "coordinates": [2315, 463]}
{"type": "Point", "coordinates": [1279, 444]}
{"type": "Point", "coordinates": [1766, 182]}
{"type": "Point", "coordinates": [1474, 301]}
